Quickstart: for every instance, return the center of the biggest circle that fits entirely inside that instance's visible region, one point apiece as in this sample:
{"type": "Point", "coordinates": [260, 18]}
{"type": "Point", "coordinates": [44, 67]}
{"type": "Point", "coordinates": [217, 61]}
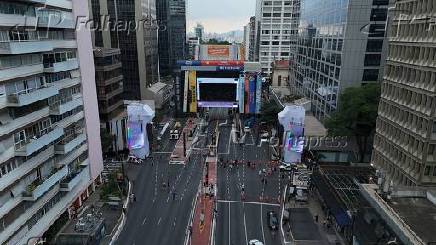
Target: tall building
{"type": "Point", "coordinates": [274, 30]}
{"type": "Point", "coordinates": [199, 32]}
{"type": "Point", "coordinates": [193, 46]}
{"type": "Point", "coordinates": [405, 141]}
{"type": "Point", "coordinates": [340, 44]}
{"type": "Point", "coordinates": [171, 16]}
{"type": "Point", "coordinates": [138, 46]}
{"type": "Point", "coordinates": [50, 151]}
{"type": "Point", "coordinates": [252, 39]}
{"type": "Point", "coordinates": [246, 41]}
{"type": "Point", "coordinates": [109, 82]}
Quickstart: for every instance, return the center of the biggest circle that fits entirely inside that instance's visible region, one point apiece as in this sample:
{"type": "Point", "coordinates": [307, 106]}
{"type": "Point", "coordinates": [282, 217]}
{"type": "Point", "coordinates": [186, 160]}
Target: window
{"type": "Point", "coordinates": [434, 127]}
{"type": "Point", "coordinates": [265, 43]}
{"type": "Point", "coordinates": [380, 2]}
{"type": "Point", "coordinates": [379, 14]}
{"type": "Point", "coordinates": [370, 75]}
{"type": "Point", "coordinates": [376, 30]}
{"type": "Point", "coordinates": [279, 81]}
{"type": "Point", "coordinates": [372, 59]}
{"type": "Point", "coordinates": [374, 45]}
{"type": "Point", "coordinates": [275, 31]}
{"type": "Point", "coordinates": [287, 15]}
{"type": "Point", "coordinates": [275, 43]}
{"type": "Point", "coordinates": [277, 14]}
{"type": "Point", "coordinates": [267, 3]}
{"type": "Point", "coordinates": [265, 31]}
{"type": "Point", "coordinates": [434, 171]}
{"type": "Point", "coordinates": [266, 15]}
{"type": "Point", "coordinates": [427, 170]}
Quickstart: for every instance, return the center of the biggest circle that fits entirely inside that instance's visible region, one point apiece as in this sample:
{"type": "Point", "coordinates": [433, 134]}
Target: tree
{"type": "Point", "coordinates": [216, 41]}
{"type": "Point", "coordinates": [356, 116]}
{"type": "Point", "coordinates": [269, 112]}
{"type": "Point", "coordinates": [106, 139]}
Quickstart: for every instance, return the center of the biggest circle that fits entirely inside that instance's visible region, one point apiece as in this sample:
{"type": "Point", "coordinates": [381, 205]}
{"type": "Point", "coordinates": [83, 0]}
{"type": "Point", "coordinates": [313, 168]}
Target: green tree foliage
{"type": "Point", "coordinates": [356, 115]}
{"type": "Point", "coordinates": [269, 111]}
{"type": "Point", "coordinates": [215, 41]}
{"type": "Point", "coordinates": [106, 140]}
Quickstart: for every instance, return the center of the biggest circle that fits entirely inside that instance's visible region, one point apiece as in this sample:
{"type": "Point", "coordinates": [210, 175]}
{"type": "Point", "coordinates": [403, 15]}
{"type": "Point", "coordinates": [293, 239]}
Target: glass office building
{"type": "Point", "coordinates": [340, 44]}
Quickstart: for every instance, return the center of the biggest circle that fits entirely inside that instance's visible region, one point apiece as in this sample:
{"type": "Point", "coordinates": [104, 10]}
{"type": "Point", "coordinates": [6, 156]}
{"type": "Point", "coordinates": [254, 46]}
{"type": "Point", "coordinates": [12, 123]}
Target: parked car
{"type": "Point", "coordinates": [255, 242]}
{"type": "Point", "coordinates": [273, 221]}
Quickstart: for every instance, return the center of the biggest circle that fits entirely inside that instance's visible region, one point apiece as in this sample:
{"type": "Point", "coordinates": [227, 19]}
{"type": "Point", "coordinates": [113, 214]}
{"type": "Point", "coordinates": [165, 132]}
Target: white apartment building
{"type": "Point", "coordinates": [276, 30]}
{"type": "Point", "coordinates": [405, 141]}
{"type": "Point", "coordinates": [50, 151]}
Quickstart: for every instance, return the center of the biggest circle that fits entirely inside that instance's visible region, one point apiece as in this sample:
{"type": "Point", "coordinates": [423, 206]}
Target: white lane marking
{"type": "Point", "coordinates": [158, 222]}
{"type": "Point", "coordinates": [144, 221]}
{"type": "Point", "coordinates": [229, 225]}
{"type": "Point", "coordinates": [261, 222]}
{"type": "Point", "coordinates": [254, 203]}
{"type": "Point", "coordinates": [245, 224]}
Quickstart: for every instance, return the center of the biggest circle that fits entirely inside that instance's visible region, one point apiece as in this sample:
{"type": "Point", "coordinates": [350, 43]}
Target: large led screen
{"type": "Point", "coordinates": [214, 92]}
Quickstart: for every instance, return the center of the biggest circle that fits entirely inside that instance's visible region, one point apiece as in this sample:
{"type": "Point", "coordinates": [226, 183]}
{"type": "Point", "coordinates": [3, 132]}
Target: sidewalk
{"type": "Point", "coordinates": [203, 214]}
{"type": "Point", "coordinates": [177, 156]}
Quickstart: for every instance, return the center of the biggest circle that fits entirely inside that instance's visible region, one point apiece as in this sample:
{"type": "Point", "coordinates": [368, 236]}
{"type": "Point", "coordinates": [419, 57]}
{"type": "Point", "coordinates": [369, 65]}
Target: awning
{"type": "Point", "coordinates": [335, 207]}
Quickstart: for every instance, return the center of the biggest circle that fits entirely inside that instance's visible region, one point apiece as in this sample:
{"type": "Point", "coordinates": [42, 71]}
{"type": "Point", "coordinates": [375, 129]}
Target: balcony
{"type": "Point", "coordinates": [71, 156]}
{"type": "Point", "coordinates": [9, 126]}
{"type": "Point", "coordinates": [20, 71]}
{"type": "Point", "coordinates": [33, 145]}
{"type": "Point", "coordinates": [112, 93]}
{"type": "Point", "coordinates": [26, 167]}
{"type": "Point", "coordinates": [32, 96]}
{"type": "Point", "coordinates": [24, 47]}
{"type": "Point", "coordinates": [14, 20]}
{"type": "Point", "coordinates": [74, 179]}
{"type": "Point", "coordinates": [64, 148]}
{"type": "Point", "coordinates": [66, 83]}
{"type": "Point", "coordinates": [38, 188]}
{"type": "Point", "coordinates": [58, 19]}
{"type": "Point", "coordinates": [111, 108]}
{"type": "Point", "coordinates": [60, 109]}
{"type": "Point", "coordinates": [70, 120]}
{"type": "Point", "coordinates": [68, 65]}
{"type": "Point", "coordinates": [65, 4]}
{"type": "Point", "coordinates": [110, 81]}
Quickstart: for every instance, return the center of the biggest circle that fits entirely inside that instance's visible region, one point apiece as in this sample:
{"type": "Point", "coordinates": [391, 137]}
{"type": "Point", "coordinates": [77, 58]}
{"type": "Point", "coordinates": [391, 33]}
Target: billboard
{"type": "Point", "coordinates": [292, 120]}
{"type": "Point", "coordinates": [185, 92]}
{"type": "Point", "coordinates": [252, 94]}
{"type": "Point", "coordinates": [258, 93]}
{"type": "Point", "coordinates": [218, 50]}
{"type": "Point", "coordinates": [223, 92]}
{"type": "Point", "coordinates": [247, 94]}
{"type": "Point", "coordinates": [139, 115]}
{"type": "Point", "coordinates": [222, 63]}
{"type": "Point", "coordinates": [241, 93]}
{"type": "Point", "coordinates": [193, 89]}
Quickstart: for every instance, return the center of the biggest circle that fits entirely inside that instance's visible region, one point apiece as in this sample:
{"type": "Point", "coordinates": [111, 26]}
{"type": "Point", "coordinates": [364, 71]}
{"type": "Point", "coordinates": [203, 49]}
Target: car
{"type": "Point", "coordinates": [285, 167]}
{"type": "Point", "coordinates": [264, 138]}
{"type": "Point", "coordinates": [247, 129]}
{"type": "Point", "coordinates": [255, 242]}
{"type": "Point", "coordinates": [273, 221]}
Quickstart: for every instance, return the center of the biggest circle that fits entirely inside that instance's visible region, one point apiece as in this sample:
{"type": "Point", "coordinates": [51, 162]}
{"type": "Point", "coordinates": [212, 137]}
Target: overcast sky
{"type": "Point", "coordinates": [219, 15]}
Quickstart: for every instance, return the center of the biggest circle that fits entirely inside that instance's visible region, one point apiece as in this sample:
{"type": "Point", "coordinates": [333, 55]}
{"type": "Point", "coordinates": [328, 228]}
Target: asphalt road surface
{"type": "Point", "coordinates": [243, 217]}
{"type": "Point", "coordinates": [159, 216]}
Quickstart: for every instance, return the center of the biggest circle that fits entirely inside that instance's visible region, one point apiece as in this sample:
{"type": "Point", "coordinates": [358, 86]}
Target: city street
{"type": "Point", "coordinates": [160, 215]}
{"type": "Point", "coordinates": [243, 217]}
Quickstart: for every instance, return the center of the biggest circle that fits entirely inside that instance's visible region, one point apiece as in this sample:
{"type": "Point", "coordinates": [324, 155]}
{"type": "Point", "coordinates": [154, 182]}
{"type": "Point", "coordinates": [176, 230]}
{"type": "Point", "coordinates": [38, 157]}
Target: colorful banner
{"type": "Point", "coordinates": [222, 63]}
{"type": "Point", "coordinates": [247, 94]}
{"type": "Point", "coordinates": [292, 120]}
{"type": "Point", "coordinates": [188, 63]}
{"type": "Point", "coordinates": [252, 94]}
{"type": "Point", "coordinates": [258, 93]}
{"type": "Point", "coordinates": [185, 92]}
{"type": "Point", "coordinates": [193, 89]}
{"type": "Point", "coordinates": [229, 68]}
{"type": "Point", "coordinates": [241, 94]}
{"type": "Point", "coordinates": [218, 50]}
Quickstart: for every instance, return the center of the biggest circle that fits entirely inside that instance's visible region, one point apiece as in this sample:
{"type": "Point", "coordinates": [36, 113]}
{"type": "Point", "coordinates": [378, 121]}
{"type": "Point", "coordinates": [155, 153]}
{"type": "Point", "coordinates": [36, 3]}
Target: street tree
{"type": "Point", "coordinates": [106, 139]}
{"type": "Point", "coordinates": [268, 113]}
{"type": "Point", "coordinates": [356, 116]}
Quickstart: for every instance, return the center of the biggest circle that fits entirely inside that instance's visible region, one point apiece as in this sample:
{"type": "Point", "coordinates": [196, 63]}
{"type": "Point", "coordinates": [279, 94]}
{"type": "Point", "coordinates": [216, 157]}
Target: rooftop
{"type": "Point", "coordinates": [420, 218]}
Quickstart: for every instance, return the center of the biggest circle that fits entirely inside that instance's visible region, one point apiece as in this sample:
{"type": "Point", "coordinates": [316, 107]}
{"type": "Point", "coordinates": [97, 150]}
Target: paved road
{"type": "Point", "coordinates": [239, 221]}
{"type": "Point", "coordinates": [155, 218]}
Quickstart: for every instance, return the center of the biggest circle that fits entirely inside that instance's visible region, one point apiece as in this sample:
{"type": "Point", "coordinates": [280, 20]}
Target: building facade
{"type": "Point", "coordinates": [275, 29]}
{"type": "Point", "coordinates": [340, 44]}
{"type": "Point", "coordinates": [199, 32]}
{"type": "Point", "coordinates": [139, 46]}
{"type": "Point", "coordinates": [251, 39]}
{"type": "Point", "coordinates": [193, 46]}
{"type": "Point", "coordinates": [280, 74]}
{"type": "Point", "coordinates": [109, 82]}
{"type": "Point", "coordinates": [171, 16]}
{"type": "Point", "coordinates": [405, 141]}
{"type": "Point", "coordinates": [50, 150]}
